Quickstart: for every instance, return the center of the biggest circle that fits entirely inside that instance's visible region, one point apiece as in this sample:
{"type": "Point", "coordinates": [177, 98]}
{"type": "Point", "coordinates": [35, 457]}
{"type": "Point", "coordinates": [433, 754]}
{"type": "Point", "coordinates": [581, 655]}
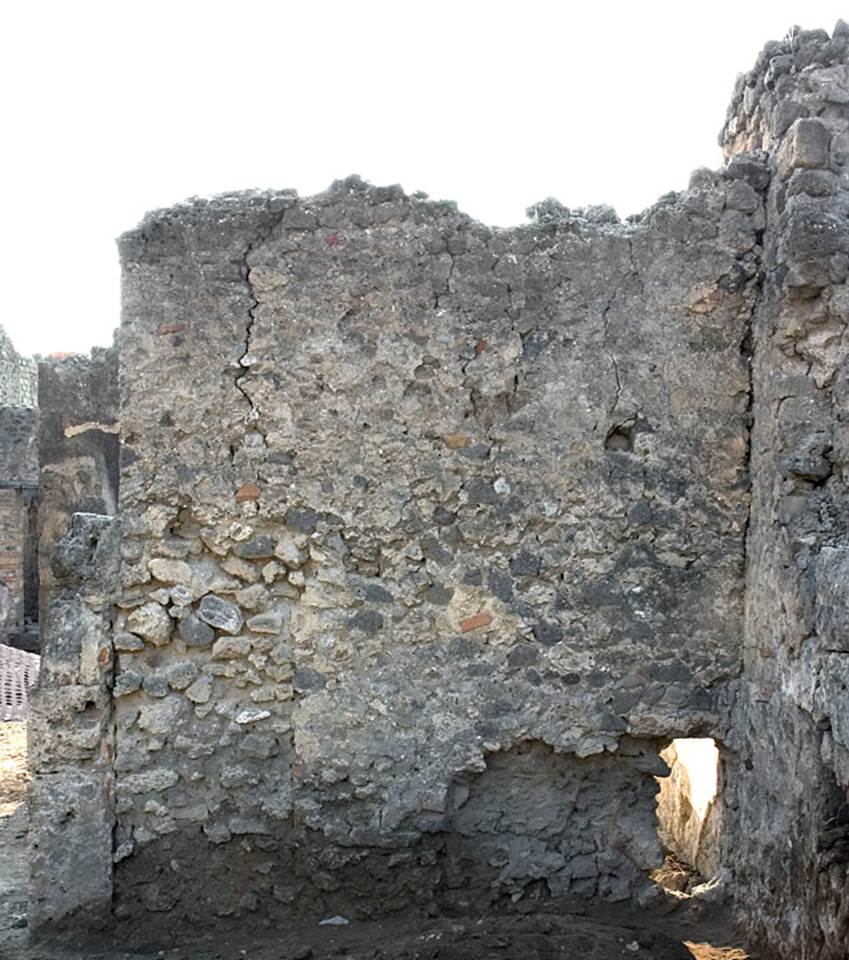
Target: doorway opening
{"type": "Point", "coordinates": [689, 814]}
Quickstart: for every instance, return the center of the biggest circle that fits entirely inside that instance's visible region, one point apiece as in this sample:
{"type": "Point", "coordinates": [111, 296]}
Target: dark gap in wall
{"type": "Point", "coordinates": [30, 567]}
{"type": "Point", "coordinates": [621, 436]}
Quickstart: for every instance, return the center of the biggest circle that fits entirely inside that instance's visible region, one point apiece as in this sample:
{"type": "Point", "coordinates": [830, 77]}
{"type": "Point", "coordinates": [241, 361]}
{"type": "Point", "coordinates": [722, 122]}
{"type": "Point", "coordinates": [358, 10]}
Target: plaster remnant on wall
{"type": "Point", "coordinates": [76, 429]}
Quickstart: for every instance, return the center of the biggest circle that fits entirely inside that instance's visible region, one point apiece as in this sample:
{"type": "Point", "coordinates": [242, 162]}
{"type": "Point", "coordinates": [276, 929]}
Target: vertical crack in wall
{"type": "Point", "coordinates": [605, 319]}
{"type": "Point", "coordinates": [243, 360]}
{"type": "Point", "coordinates": [747, 354]}
{"type": "Point", "coordinates": [447, 288]}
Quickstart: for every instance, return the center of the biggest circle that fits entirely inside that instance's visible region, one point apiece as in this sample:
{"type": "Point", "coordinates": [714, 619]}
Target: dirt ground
{"type": "Point", "coordinates": [540, 931]}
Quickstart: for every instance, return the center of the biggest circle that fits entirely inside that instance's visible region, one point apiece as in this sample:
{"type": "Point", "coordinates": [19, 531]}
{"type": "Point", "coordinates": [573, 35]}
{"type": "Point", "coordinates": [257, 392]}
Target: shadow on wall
{"type": "Point", "coordinates": [542, 824]}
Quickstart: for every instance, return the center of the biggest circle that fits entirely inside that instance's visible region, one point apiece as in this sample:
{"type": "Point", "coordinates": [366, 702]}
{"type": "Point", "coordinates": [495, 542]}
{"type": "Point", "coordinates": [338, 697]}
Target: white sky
{"type": "Point", "coordinates": [114, 108]}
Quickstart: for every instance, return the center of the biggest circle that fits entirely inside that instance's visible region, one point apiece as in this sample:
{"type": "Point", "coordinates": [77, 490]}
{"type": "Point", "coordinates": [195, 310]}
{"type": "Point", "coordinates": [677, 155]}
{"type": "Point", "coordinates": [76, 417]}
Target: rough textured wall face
{"type": "Point", "coordinates": [788, 840]}
{"type": "Point", "coordinates": [78, 448]}
{"type": "Point", "coordinates": [70, 730]}
{"type": "Point", "coordinates": [18, 446]}
{"type": "Point", "coordinates": [18, 376]}
{"type": "Point", "coordinates": [18, 478]}
{"type": "Point", "coordinates": [402, 492]}
{"type": "Point", "coordinates": [424, 522]}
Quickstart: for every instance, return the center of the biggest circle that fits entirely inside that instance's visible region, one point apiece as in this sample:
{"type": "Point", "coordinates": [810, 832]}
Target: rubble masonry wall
{"type": "Point", "coordinates": [419, 516]}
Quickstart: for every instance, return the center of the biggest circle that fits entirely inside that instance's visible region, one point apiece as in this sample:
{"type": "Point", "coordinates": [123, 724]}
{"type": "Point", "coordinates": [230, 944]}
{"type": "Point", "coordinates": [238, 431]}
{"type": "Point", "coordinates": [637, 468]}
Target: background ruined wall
{"type": "Point", "coordinates": [18, 494]}
{"type": "Point", "coordinates": [400, 493]}
{"type": "Point", "coordinates": [787, 835]}
{"type": "Point", "coordinates": [18, 376]}
{"type": "Point", "coordinates": [78, 448]}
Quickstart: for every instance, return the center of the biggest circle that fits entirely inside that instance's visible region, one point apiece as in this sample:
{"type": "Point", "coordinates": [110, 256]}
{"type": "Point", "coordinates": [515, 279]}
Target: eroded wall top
{"type": "Point", "coordinates": [18, 376]}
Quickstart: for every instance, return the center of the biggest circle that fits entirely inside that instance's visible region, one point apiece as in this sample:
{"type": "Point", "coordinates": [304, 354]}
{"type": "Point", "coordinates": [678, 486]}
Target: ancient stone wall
{"type": "Point", "coordinates": [430, 491]}
{"type": "Point", "coordinates": [18, 446]}
{"type": "Point", "coordinates": [418, 517]}
{"type": "Point", "coordinates": [788, 833]}
{"type": "Point", "coordinates": [71, 734]}
{"type": "Point", "coordinates": [78, 447]}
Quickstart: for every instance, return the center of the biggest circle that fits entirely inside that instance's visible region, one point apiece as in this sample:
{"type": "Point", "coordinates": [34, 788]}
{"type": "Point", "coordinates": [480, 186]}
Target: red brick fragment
{"type": "Point", "coordinates": [247, 491]}
{"type": "Point", "coordinates": [475, 622]}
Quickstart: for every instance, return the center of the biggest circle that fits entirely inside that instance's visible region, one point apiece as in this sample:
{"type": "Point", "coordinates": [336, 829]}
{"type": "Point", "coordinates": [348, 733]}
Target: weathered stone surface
{"type": "Point", "coordinates": [804, 146]}
{"type": "Point", "coordinates": [78, 448]}
{"type": "Point", "coordinates": [195, 632]}
{"type": "Point", "coordinates": [71, 820]}
{"type": "Point", "coordinates": [128, 681]}
{"type": "Point", "coordinates": [785, 829]}
{"type": "Point", "coordinates": [151, 781]}
{"type": "Point", "coordinates": [71, 734]}
{"type": "Point", "coordinates": [200, 691]}
{"type": "Point", "coordinates": [171, 571]}
{"type": "Point", "coordinates": [152, 622]}
{"type": "Point", "coordinates": [18, 524]}
{"type": "Point", "coordinates": [18, 376]}
{"type": "Point", "coordinates": [490, 443]}
{"type": "Point", "coordinates": [18, 499]}
{"type": "Point", "coordinates": [484, 514]}
{"type": "Point", "coordinates": [220, 614]}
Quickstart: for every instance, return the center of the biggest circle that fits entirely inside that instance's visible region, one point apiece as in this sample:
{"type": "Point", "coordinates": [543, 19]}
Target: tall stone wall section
{"type": "Point", "coordinates": [71, 735]}
{"type": "Point", "coordinates": [417, 517]}
{"type": "Point", "coordinates": [18, 495]}
{"type": "Point", "coordinates": [430, 492]}
{"type": "Point", "coordinates": [788, 835]}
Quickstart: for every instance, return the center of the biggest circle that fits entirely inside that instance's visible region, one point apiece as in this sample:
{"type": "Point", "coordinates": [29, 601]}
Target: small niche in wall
{"type": "Point", "coordinates": [621, 436]}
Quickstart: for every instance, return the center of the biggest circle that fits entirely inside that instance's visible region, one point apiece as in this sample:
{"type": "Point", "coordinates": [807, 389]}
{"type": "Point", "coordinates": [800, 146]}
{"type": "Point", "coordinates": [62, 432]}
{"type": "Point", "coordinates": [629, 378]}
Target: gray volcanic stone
{"type": "Point", "coordinates": [195, 632]}
{"type": "Point", "coordinates": [221, 614]}
{"type": "Point", "coordinates": [257, 548]}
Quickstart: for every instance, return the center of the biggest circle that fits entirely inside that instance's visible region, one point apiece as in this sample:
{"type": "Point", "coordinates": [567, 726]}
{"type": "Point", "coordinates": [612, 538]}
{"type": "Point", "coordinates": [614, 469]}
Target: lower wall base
{"type": "Point", "coordinates": [533, 824]}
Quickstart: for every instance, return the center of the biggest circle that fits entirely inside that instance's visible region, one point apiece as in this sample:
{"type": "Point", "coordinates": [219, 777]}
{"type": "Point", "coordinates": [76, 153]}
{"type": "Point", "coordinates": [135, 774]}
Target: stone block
{"type": "Point", "coordinates": [71, 822]}
{"type": "Point", "coordinates": [805, 146]}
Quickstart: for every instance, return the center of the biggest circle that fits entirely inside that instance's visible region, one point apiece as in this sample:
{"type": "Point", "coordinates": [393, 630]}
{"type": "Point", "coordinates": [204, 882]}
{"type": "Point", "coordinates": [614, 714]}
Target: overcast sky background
{"type": "Point", "coordinates": [114, 108]}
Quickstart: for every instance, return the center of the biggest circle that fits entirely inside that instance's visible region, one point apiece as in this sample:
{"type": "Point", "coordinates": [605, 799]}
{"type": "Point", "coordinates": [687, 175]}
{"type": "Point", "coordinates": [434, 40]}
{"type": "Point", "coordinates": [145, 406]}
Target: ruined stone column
{"type": "Point", "coordinates": [788, 834]}
{"type": "Point", "coordinates": [18, 493]}
{"type": "Point", "coordinates": [77, 448]}
{"type": "Point", "coordinates": [71, 739]}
